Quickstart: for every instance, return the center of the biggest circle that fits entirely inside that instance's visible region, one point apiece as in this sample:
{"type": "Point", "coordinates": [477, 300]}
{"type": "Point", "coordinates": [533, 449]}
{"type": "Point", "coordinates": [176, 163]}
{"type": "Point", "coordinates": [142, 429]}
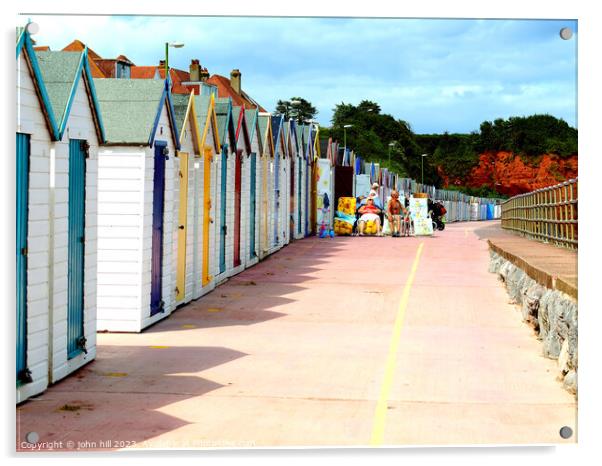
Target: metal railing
{"type": "Point", "coordinates": [546, 214]}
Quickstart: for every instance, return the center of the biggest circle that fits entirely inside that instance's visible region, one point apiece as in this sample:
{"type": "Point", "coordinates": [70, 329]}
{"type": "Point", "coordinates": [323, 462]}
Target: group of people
{"type": "Point", "coordinates": [396, 212]}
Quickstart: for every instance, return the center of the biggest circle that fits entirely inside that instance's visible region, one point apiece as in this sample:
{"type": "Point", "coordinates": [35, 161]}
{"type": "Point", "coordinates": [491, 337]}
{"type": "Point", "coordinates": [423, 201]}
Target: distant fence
{"type": "Point", "coordinates": [546, 214]}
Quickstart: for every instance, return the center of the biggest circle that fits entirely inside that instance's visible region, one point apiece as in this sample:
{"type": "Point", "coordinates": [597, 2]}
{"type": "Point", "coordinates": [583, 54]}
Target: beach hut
{"type": "Point", "coordinates": [205, 262]}
{"type": "Point", "coordinates": [58, 133]}
{"type": "Point", "coordinates": [225, 198]}
{"type": "Point", "coordinates": [188, 155]}
{"type": "Point", "coordinates": [266, 179]}
{"type": "Point", "coordinates": [279, 203]}
{"type": "Point", "coordinates": [253, 186]}
{"type": "Point", "coordinates": [137, 204]}
{"type": "Point", "coordinates": [36, 129]}
{"type": "Point", "coordinates": [295, 177]}
{"type": "Point", "coordinates": [241, 190]}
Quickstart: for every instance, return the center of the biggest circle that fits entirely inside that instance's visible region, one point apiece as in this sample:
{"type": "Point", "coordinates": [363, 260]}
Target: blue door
{"type": "Point", "coordinates": [252, 253]}
{"type": "Point", "coordinates": [21, 278]}
{"type": "Point", "coordinates": [223, 226]}
{"type": "Point", "coordinates": [76, 342]}
{"type": "Point", "coordinates": [156, 304]}
{"type": "Point", "coordinates": [276, 196]}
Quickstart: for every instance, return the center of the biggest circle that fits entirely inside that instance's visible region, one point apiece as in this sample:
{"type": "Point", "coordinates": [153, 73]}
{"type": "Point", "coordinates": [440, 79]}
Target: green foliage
{"type": "Point", "coordinates": [529, 136]}
{"type": "Point", "coordinates": [297, 108]}
{"type": "Point", "coordinates": [378, 137]}
{"type": "Point", "coordinates": [483, 191]}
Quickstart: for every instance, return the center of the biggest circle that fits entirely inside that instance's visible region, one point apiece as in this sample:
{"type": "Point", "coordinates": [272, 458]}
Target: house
{"type": "Point", "coordinates": [225, 199]}
{"type": "Point", "coordinates": [232, 88]}
{"type": "Point", "coordinates": [266, 178]}
{"type": "Point", "coordinates": [58, 132]}
{"type": "Point", "coordinates": [137, 204]}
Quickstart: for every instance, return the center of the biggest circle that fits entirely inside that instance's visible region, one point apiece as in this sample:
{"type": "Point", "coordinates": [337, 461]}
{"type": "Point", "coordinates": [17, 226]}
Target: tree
{"type": "Point", "coordinates": [297, 108]}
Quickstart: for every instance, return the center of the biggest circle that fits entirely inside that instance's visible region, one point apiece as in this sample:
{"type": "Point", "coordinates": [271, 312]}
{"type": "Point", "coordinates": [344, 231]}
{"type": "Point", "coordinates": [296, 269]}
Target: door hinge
{"type": "Point", "coordinates": [82, 239]}
{"type": "Point", "coordinates": [181, 174]}
{"type": "Point", "coordinates": [177, 290]}
{"type": "Point", "coordinates": [24, 251]}
{"type": "Point", "coordinates": [161, 306]}
{"type": "Point", "coordinates": [81, 344]}
{"type": "Point", "coordinates": [25, 376]}
{"type": "Point", "coordinates": [225, 228]}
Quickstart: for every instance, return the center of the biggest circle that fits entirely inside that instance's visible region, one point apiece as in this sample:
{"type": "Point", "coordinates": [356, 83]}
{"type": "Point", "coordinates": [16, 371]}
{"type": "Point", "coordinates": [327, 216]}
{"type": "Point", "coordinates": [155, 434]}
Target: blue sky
{"type": "Point", "coordinates": [437, 74]}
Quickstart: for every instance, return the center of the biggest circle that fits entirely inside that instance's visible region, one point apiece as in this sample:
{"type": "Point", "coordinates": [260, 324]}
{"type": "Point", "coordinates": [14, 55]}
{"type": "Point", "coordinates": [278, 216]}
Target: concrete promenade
{"type": "Point", "coordinates": [345, 341]}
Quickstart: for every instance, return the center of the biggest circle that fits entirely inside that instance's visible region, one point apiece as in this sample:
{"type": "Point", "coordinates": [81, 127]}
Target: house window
{"type": "Point", "coordinates": [122, 70]}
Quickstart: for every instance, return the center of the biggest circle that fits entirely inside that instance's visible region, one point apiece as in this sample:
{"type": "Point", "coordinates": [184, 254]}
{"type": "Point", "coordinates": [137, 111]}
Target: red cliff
{"type": "Point", "coordinates": [510, 175]}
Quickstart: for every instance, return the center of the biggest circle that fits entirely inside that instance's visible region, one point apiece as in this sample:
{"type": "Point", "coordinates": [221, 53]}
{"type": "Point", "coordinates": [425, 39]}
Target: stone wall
{"type": "Point", "coordinates": [551, 313]}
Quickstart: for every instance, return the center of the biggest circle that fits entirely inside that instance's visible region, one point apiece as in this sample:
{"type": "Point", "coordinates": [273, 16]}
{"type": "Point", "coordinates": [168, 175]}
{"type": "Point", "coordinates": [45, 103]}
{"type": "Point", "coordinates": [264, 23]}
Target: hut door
{"type": "Point", "coordinates": [237, 195]}
{"type": "Point", "coordinates": [276, 196]}
{"type": "Point", "coordinates": [223, 226]}
{"type": "Point", "coordinates": [253, 204]}
{"type": "Point", "coordinates": [22, 217]}
{"type": "Point", "coordinates": [264, 204]}
{"type": "Point", "coordinates": [206, 213]}
{"type": "Point", "coordinates": [182, 227]}
{"type": "Point", "coordinates": [157, 238]}
{"type": "Point", "coordinates": [75, 267]}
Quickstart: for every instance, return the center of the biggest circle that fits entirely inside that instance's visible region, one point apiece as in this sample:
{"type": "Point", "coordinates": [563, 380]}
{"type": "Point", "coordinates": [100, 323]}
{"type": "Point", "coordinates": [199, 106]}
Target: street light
{"type": "Point", "coordinates": [294, 103]}
{"type": "Point", "coordinates": [345, 135]}
{"type": "Point", "coordinates": [176, 45]}
{"type": "Point", "coordinates": [391, 144]}
{"type": "Point", "coordinates": [422, 166]}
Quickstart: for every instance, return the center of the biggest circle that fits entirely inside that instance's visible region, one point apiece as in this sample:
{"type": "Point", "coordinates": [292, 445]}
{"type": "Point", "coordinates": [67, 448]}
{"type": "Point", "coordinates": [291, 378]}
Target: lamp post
{"type": "Point", "coordinates": [177, 45]}
{"type": "Point", "coordinates": [422, 166]}
{"type": "Point", "coordinates": [391, 144]}
{"type": "Point", "coordinates": [294, 103]}
{"type": "Point", "coordinates": [345, 135]}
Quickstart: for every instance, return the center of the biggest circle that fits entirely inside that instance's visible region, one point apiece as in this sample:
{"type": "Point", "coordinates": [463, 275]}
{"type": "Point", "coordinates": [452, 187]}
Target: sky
{"type": "Point", "coordinates": [437, 74]}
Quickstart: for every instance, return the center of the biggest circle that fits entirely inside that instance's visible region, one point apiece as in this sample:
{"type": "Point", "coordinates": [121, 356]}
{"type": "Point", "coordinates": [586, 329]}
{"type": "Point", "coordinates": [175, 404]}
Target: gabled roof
{"type": "Point", "coordinates": [185, 113]}
{"type": "Point", "coordinates": [207, 119]}
{"type": "Point", "coordinates": [144, 72]}
{"type": "Point", "coordinates": [61, 72]}
{"type": "Point", "coordinates": [225, 123]}
{"type": "Point", "coordinates": [265, 131]}
{"type": "Point", "coordinates": [79, 46]}
{"type": "Point", "coordinates": [277, 132]}
{"type": "Point", "coordinates": [252, 120]}
{"type": "Point", "coordinates": [158, 72]}
{"type": "Point", "coordinates": [242, 131]}
{"type": "Point", "coordinates": [131, 109]}
{"type": "Point", "coordinates": [25, 47]}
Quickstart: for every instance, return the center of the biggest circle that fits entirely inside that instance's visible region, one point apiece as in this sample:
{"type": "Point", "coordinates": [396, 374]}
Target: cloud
{"type": "Point", "coordinates": [437, 74]}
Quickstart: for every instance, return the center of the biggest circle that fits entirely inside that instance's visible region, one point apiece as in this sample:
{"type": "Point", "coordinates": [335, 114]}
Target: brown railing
{"type": "Point", "coordinates": [547, 214]}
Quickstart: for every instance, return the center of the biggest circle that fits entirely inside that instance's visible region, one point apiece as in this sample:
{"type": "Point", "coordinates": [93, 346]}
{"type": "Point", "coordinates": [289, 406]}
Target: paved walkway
{"type": "Point", "coordinates": [551, 266]}
{"type": "Point", "coordinates": [346, 341]}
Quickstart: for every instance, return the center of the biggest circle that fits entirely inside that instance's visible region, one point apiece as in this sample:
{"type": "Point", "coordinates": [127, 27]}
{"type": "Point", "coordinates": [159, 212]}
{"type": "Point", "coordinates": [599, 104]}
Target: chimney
{"type": "Point", "coordinates": [161, 63]}
{"type": "Point", "coordinates": [204, 75]}
{"type": "Point", "coordinates": [235, 80]}
{"type": "Point", "coordinates": [195, 70]}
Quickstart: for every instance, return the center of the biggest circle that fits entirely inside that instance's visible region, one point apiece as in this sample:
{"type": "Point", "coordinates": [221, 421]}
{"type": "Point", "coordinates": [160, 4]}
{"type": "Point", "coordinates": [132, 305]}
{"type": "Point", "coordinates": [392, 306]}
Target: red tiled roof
{"type": "Point", "coordinates": [142, 72]}
{"type": "Point", "coordinates": [225, 89]}
{"type": "Point", "coordinates": [42, 48]}
{"type": "Point", "coordinates": [79, 46]}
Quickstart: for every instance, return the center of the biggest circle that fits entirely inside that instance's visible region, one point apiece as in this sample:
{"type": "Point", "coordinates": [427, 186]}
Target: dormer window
{"type": "Point", "coordinates": [122, 70]}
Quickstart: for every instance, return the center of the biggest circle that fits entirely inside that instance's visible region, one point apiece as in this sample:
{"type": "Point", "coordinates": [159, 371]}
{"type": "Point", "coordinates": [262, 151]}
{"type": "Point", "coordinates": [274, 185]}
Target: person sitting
{"type": "Point", "coordinates": [369, 213]}
{"type": "Point", "coordinates": [377, 201]}
{"type": "Point", "coordinates": [394, 211]}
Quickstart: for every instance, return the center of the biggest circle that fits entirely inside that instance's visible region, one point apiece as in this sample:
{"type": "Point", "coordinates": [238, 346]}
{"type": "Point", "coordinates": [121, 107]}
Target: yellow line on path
{"type": "Point", "coordinates": [378, 428]}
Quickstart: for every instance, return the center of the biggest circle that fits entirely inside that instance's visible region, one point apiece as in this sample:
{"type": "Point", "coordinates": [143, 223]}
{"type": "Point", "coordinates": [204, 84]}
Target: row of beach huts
{"type": "Point", "coordinates": [140, 190]}
{"type": "Point", "coordinates": [133, 199]}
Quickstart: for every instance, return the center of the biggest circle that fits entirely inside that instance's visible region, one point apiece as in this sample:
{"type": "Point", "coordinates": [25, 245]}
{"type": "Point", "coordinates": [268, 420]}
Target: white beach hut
{"type": "Point", "coordinates": [137, 204]}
